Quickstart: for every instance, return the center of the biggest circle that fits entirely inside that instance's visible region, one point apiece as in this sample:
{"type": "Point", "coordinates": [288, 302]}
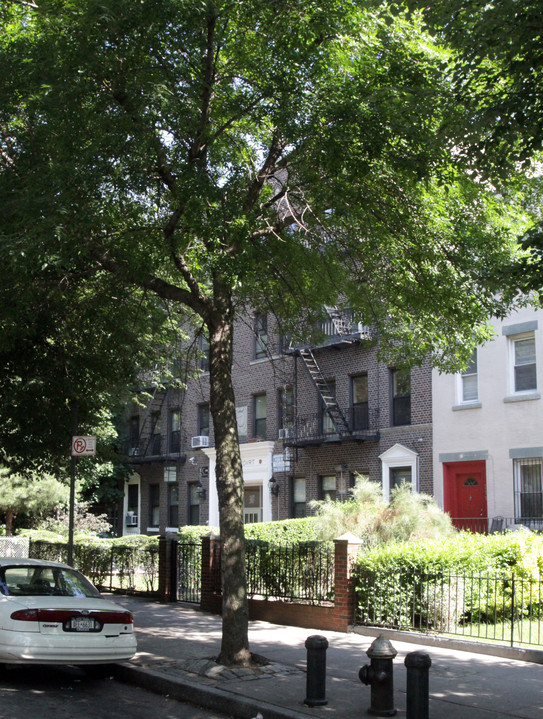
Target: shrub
{"type": "Point", "coordinates": [471, 574]}
{"type": "Point", "coordinates": [408, 516]}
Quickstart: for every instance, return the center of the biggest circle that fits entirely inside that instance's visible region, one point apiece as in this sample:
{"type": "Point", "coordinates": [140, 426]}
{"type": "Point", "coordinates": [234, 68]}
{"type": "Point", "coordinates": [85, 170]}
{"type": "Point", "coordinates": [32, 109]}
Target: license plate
{"type": "Point", "coordinates": [82, 624]}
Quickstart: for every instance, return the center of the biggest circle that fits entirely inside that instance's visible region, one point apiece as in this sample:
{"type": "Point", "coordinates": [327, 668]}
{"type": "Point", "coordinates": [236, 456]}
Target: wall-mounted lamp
{"type": "Point", "coordinates": [200, 490]}
{"type": "Point", "coordinates": [274, 486]}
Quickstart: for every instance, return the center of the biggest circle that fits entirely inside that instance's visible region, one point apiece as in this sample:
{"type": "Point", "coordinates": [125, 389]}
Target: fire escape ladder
{"type": "Point", "coordinates": [329, 401]}
{"type": "Point", "coordinates": [339, 323]}
{"type": "Point", "coordinates": [147, 419]}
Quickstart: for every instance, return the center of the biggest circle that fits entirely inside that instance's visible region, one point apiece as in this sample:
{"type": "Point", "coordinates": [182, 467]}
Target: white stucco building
{"type": "Point", "coordinates": [488, 429]}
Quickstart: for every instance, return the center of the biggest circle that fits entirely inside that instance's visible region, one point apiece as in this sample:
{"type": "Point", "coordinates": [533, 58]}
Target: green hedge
{"type": "Point", "coordinates": [128, 563]}
{"type": "Point", "coordinates": [468, 578]}
{"type": "Point", "coordinates": [286, 531]}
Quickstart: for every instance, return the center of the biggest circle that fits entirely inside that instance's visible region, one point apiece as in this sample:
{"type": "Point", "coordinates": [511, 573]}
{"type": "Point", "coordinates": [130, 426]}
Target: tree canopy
{"type": "Point", "coordinates": [222, 156]}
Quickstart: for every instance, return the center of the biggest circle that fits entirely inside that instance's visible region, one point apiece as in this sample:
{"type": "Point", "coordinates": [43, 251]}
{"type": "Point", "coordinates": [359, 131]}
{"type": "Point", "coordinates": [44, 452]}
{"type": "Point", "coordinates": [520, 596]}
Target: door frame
{"type": "Point", "coordinates": [450, 494]}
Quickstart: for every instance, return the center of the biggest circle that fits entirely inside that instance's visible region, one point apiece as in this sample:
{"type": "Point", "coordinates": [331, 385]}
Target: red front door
{"type": "Point", "coordinates": [465, 494]}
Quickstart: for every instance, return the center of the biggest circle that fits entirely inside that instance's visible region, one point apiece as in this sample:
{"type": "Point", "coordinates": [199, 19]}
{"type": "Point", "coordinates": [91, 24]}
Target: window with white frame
{"type": "Point", "coordinates": [298, 497]}
{"type": "Point", "coordinates": [328, 487]}
{"type": "Point", "coordinates": [261, 348]}
{"type": "Point", "coordinates": [524, 363]}
{"type": "Point", "coordinates": [528, 488]}
{"type": "Point", "coordinates": [469, 390]}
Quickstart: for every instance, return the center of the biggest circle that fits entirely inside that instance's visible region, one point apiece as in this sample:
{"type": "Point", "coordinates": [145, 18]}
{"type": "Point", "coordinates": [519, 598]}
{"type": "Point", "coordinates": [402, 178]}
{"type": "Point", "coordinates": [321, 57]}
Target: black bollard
{"type": "Point", "coordinates": [316, 671]}
{"type": "Point", "coordinates": [418, 685]}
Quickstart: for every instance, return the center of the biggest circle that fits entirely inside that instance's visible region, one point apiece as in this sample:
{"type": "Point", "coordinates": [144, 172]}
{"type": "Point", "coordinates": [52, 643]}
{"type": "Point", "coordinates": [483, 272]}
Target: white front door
{"type": "Point", "coordinates": [252, 504]}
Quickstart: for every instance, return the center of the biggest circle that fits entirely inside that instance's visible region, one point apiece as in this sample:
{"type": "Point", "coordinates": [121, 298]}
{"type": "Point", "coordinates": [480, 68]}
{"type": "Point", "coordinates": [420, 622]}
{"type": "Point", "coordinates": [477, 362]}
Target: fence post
{"type": "Point", "coordinates": [346, 551]}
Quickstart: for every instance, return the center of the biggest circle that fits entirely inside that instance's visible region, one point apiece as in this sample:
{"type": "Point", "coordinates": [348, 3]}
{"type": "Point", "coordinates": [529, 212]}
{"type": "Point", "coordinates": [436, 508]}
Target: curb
{"type": "Point", "coordinates": [208, 697]}
{"type": "Point", "coordinates": [535, 656]}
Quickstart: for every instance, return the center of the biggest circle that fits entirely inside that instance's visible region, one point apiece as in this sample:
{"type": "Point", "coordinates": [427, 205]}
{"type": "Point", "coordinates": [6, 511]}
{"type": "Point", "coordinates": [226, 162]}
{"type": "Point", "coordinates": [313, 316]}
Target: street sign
{"type": "Point", "coordinates": [83, 446]}
{"type": "Point", "coordinates": [281, 463]}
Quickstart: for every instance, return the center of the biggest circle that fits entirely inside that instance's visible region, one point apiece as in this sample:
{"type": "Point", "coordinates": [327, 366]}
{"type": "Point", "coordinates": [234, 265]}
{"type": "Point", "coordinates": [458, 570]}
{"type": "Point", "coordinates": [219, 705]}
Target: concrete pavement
{"type": "Point", "coordinates": [177, 645]}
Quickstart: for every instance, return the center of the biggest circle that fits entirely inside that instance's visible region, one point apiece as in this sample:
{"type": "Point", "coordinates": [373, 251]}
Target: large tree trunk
{"type": "Point", "coordinates": [235, 615]}
{"type": "Point", "coordinates": [10, 517]}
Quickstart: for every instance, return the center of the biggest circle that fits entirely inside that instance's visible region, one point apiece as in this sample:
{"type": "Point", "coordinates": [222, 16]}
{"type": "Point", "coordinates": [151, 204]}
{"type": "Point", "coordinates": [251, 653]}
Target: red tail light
{"type": "Point", "coordinates": [26, 615]}
{"type": "Point", "coordinates": [62, 615]}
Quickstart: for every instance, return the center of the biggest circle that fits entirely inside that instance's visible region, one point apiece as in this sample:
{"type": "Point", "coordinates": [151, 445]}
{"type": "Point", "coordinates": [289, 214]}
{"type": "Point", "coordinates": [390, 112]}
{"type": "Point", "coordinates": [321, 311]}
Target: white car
{"type": "Point", "coordinates": [51, 614]}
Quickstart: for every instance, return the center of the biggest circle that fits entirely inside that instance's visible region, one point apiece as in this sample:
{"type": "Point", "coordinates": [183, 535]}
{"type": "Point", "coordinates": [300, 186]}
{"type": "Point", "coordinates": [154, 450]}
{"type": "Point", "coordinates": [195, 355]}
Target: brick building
{"type": "Point", "coordinates": [309, 420]}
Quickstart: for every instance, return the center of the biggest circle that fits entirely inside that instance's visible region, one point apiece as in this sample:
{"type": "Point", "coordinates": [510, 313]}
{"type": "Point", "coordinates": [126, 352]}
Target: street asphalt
{"type": "Point", "coordinates": [178, 644]}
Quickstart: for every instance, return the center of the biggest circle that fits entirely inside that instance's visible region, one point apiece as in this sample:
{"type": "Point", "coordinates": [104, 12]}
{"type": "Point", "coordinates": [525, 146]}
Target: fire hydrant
{"type": "Point", "coordinates": [379, 675]}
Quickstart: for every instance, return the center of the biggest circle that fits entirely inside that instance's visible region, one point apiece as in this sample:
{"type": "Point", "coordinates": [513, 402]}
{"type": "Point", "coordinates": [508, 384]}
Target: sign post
{"type": "Point", "coordinates": [81, 447]}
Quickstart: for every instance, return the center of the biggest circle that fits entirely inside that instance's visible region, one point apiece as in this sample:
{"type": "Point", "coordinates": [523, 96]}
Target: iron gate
{"type": "Point", "coordinates": [189, 572]}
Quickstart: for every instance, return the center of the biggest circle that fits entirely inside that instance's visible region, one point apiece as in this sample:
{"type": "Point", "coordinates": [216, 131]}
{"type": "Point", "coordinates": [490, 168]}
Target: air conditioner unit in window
{"type": "Point", "coordinates": [133, 452]}
{"type": "Point", "coordinates": [131, 520]}
{"type": "Point", "coordinates": [197, 442]}
{"type": "Point", "coordinates": [286, 433]}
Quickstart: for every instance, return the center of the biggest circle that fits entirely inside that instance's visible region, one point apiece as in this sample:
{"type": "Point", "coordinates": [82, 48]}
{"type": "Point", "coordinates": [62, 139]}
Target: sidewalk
{"type": "Point", "coordinates": [177, 644]}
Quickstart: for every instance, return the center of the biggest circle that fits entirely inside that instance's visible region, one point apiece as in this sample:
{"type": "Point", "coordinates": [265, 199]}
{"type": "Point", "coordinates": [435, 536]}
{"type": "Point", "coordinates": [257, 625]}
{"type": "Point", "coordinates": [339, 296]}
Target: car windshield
{"type": "Point", "coordinates": [36, 580]}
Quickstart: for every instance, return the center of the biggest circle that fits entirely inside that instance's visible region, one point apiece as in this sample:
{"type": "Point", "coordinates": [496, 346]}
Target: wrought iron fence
{"type": "Point", "coordinates": [297, 572]}
{"type": "Point", "coordinates": [189, 572]}
{"type": "Point", "coordinates": [491, 525]}
{"type": "Point", "coordinates": [119, 567]}
{"type": "Point", "coordinates": [503, 608]}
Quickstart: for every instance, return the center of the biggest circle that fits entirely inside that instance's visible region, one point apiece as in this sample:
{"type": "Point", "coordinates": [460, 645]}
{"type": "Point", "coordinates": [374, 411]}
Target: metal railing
{"type": "Point", "coordinates": [126, 568]}
{"type": "Point", "coordinates": [189, 572]}
{"type": "Point", "coordinates": [317, 428]}
{"type": "Point", "coordinates": [491, 525]}
{"type": "Point", "coordinates": [298, 572]}
{"type": "Point", "coordinates": [504, 608]}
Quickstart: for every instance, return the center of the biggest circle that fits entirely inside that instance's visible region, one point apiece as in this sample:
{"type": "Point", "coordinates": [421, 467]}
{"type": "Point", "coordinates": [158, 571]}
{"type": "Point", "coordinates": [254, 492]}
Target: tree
{"type": "Point", "coordinates": [224, 156]}
{"type": "Point", "coordinates": [498, 99]}
{"type": "Point", "coordinates": [34, 496]}
{"type": "Point", "coordinates": [498, 75]}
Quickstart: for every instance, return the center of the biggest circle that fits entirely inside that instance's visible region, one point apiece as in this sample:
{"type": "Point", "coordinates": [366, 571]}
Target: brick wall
{"type": "Point", "coordinates": [252, 376]}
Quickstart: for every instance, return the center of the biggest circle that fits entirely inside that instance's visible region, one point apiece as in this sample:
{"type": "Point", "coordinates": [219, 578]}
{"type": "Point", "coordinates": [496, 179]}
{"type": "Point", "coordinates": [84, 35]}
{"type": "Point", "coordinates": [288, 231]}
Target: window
{"type": "Point", "coordinates": [328, 487]}
{"type": "Point", "coordinates": [260, 415]}
{"type": "Point", "coordinates": [327, 423]}
{"type": "Point", "coordinates": [203, 353]}
{"type": "Point", "coordinates": [154, 505]}
{"type": "Point", "coordinates": [524, 367]}
{"type": "Point", "coordinates": [401, 397]}
{"type": "Point", "coordinates": [359, 394]}
{"type": "Point", "coordinates": [528, 488]}
{"type": "Point", "coordinates": [399, 476]}
{"type": "Point", "coordinates": [261, 336]}
{"type": "Point", "coordinates": [170, 474]}
{"type": "Point", "coordinates": [469, 384]}
{"type": "Point", "coordinates": [156, 444]}
{"type": "Point", "coordinates": [194, 504]}
{"type": "Point", "coordinates": [132, 500]}
{"type": "Point", "coordinates": [298, 497]}
{"type": "Point", "coordinates": [175, 430]}
{"type": "Point", "coordinates": [286, 408]}
{"type": "Point", "coordinates": [134, 432]}
{"type": "Point", "coordinates": [203, 420]}
{"type": "Point", "coordinates": [173, 505]}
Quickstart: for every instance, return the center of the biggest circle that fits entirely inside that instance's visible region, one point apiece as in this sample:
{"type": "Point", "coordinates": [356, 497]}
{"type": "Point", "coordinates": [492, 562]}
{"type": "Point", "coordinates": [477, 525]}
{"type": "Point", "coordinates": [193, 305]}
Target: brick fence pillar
{"type": "Point", "coordinates": [211, 595]}
{"type": "Point", "coordinates": [346, 551]}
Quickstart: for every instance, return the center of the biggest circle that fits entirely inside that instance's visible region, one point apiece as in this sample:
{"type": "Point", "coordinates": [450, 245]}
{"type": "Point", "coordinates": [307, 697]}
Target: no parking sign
{"type": "Point", "coordinates": [83, 446]}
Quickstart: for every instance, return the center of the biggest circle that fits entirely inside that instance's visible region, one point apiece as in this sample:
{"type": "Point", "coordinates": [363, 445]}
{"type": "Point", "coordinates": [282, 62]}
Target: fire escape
{"type": "Point", "coordinates": [338, 331]}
